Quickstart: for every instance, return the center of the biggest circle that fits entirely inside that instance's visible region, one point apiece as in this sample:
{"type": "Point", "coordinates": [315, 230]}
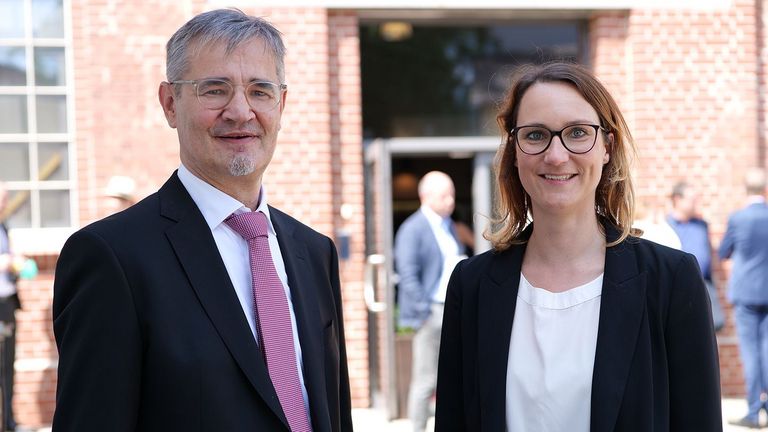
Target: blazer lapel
{"type": "Point", "coordinates": [622, 309]}
{"type": "Point", "coordinates": [196, 249]}
{"type": "Point", "coordinates": [497, 299]}
{"type": "Point", "coordinates": [302, 284]}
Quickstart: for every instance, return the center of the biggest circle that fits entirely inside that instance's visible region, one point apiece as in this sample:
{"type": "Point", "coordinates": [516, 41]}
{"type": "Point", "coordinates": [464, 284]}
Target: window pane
{"type": "Point", "coordinates": [54, 208]}
{"type": "Point", "coordinates": [14, 117]}
{"type": "Point", "coordinates": [448, 80]}
{"type": "Point", "coordinates": [51, 114]}
{"type": "Point", "coordinates": [49, 66]}
{"type": "Point", "coordinates": [13, 66]}
{"type": "Point", "coordinates": [14, 162]}
{"type": "Point", "coordinates": [47, 18]}
{"type": "Point", "coordinates": [12, 18]}
{"type": "Point", "coordinates": [53, 163]}
{"type": "Point", "coordinates": [22, 215]}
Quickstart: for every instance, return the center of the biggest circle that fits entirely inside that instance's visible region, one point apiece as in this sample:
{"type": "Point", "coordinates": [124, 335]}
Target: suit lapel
{"type": "Point", "coordinates": [621, 313]}
{"type": "Point", "coordinates": [196, 249]}
{"type": "Point", "coordinates": [497, 299]}
{"type": "Point", "coordinates": [302, 284]}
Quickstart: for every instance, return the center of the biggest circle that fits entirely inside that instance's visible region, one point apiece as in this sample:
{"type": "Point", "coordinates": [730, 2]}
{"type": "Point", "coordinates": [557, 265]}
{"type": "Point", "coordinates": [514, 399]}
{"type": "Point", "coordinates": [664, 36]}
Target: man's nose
{"type": "Point", "coordinates": [238, 109]}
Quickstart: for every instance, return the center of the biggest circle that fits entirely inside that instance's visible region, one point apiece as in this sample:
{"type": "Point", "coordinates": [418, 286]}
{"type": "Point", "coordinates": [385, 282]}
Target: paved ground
{"type": "Point", "coordinates": [370, 420]}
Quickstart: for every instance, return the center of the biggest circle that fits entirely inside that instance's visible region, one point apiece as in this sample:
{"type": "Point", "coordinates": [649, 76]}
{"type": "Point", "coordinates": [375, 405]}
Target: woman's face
{"type": "Point", "coordinates": [560, 182]}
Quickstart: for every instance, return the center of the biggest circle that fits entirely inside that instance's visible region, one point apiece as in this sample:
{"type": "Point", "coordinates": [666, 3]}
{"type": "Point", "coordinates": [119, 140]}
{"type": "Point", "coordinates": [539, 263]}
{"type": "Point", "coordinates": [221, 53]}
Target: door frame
{"type": "Point", "coordinates": [380, 277]}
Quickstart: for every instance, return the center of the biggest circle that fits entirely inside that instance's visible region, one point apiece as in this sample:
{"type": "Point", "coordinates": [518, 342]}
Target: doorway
{"type": "Point", "coordinates": [393, 168]}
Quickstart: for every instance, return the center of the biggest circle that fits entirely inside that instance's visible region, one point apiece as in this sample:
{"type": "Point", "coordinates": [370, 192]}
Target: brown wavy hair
{"type": "Point", "coordinates": [614, 197]}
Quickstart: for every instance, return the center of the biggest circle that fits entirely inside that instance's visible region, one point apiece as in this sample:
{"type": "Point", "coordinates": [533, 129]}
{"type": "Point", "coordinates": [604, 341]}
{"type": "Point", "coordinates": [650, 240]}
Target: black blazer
{"type": "Point", "coordinates": [656, 362]}
{"type": "Point", "coordinates": [152, 337]}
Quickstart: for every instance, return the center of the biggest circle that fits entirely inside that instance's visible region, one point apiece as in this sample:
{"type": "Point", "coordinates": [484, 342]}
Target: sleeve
{"type": "Point", "coordinates": [726, 245]}
{"type": "Point", "coordinates": [411, 298]}
{"type": "Point", "coordinates": [449, 409]}
{"type": "Point", "coordinates": [98, 337]}
{"type": "Point", "coordinates": [345, 400]}
{"type": "Point", "coordinates": [694, 371]}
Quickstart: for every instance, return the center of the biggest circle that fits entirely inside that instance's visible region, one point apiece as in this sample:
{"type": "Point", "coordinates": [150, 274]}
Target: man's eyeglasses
{"type": "Point", "coordinates": [215, 94]}
{"type": "Point", "coordinates": [577, 138]}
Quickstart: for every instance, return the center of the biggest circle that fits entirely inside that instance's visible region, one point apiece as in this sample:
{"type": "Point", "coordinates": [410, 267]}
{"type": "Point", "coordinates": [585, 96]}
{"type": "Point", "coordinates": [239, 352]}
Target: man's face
{"type": "Point", "coordinates": [688, 203]}
{"type": "Point", "coordinates": [226, 145]}
{"type": "Point", "coordinates": [441, 198]}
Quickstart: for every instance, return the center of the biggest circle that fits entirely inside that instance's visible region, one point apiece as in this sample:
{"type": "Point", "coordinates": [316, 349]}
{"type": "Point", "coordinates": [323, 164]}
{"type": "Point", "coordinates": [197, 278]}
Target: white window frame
{"type": "Point", "coordinates": [36, 239]}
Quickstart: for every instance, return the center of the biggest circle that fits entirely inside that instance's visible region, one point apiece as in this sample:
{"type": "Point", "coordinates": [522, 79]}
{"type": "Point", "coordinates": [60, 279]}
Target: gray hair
{"type": "Point", "coordinates": [221, 25]}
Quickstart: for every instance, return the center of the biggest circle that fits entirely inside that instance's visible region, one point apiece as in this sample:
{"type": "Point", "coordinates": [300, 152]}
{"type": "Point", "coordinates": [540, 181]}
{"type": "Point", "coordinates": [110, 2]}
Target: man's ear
{"type": "Point", "coordinates": [167, 96]}
{"type": "Point", "coordinates": [283, 98]}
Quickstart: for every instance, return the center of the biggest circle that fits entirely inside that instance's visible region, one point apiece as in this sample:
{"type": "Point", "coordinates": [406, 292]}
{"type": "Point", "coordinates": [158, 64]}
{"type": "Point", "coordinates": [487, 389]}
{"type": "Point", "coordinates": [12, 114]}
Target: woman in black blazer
{"type": "Point", "coordinates": [572, 323]}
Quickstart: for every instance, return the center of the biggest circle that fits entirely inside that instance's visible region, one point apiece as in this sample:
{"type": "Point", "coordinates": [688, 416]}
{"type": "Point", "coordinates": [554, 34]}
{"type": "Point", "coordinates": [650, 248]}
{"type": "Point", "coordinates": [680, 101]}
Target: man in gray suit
{"type": "Point", "coordinates": [746, 241]}
{"type": "Point", "coordinates": [426, 250]}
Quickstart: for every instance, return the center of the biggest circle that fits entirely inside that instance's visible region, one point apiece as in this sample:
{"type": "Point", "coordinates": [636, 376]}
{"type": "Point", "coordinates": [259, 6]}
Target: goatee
{"type": "Point", "coordinates": [241, 166]}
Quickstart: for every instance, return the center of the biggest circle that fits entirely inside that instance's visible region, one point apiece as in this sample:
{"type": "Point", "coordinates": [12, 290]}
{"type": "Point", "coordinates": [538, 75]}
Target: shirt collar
{"type": "Point", "coordinates": [433, 218]}
{"type": "Point", "coordinates": [216, 205]}
{"type": "Point", "coordinates": [755, 199]}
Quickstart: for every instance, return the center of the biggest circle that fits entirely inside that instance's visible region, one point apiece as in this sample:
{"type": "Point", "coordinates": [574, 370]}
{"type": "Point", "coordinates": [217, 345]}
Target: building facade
{"type": "Point", "coordinates": [78, 96]}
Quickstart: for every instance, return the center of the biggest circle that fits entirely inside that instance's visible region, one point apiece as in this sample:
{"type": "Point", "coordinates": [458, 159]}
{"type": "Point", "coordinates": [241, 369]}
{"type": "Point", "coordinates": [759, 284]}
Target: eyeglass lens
{"type": "Point", "coordinates": [216, 94]}
{"type": "Point", "coordinates": [576, 138]}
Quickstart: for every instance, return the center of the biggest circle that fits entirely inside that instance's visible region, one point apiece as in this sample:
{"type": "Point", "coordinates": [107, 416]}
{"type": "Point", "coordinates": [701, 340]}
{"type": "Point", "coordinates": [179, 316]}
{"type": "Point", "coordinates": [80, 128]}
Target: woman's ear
{"type": "Point", "coordinates": [608, 148]}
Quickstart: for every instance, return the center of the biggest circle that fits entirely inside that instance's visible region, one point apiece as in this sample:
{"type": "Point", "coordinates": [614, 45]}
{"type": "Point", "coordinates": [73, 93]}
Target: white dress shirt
{"type": "Point", "coordinates": [449, 247]}
{"type": "Point", "coordinates": [216, 206]}
{"type": "Point", "coordinates": [551, 358]}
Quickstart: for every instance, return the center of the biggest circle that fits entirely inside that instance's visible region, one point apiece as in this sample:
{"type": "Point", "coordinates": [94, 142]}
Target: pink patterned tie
{"type": "Point", "coordinates": [273, 319]}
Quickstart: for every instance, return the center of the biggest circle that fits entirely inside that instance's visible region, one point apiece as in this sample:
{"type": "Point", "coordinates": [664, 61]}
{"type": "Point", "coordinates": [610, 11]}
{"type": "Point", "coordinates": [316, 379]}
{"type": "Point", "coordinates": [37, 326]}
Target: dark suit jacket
{"type": "Point", "coordinates": [152, 337]}
{"type": "Point", "coordinates": [656, 362]}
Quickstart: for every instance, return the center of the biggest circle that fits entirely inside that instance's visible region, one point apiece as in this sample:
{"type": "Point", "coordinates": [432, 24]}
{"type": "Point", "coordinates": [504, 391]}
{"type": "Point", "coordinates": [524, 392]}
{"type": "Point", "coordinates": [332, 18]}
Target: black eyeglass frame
{"type": "Point", "coordinates": [280, 89]}
{"type": "Point", "coordinates": [553, 134]}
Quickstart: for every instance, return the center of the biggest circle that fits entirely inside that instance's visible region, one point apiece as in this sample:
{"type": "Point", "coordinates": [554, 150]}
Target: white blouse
{"type": "Point", "coordinates": [551, 357]}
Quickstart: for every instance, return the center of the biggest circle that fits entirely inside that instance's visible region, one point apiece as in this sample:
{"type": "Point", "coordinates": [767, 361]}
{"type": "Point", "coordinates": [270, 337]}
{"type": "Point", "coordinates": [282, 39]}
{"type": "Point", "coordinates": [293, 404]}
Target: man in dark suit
{"type": "Point", "coordinates": [9, 303]}
{"type": "Point", "coordinates": [746, 242]}
{"type": "Point", "coordinates": [426, 251]}
{"type": "Point", "coordinates": [201, 307]}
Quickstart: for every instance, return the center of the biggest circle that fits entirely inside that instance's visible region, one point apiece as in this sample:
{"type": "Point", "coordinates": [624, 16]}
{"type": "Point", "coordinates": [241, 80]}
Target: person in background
{"type": "Point", "coordinates": [746, 243]}
{"type": "Point", "coordinates": [426, 251]}
{"type": "Point", "coordinates": [693, 231]}
{"type": "Point", "coordinates": [10, 264]}
{"type": "Point", "coordinates": [123, 190]}
{"type": "Point", "coordinates": [202, 307]}
{"type": "Point", "coordinates": [571, 323]}
{"type": "Point", "coordinates": [654, 226]}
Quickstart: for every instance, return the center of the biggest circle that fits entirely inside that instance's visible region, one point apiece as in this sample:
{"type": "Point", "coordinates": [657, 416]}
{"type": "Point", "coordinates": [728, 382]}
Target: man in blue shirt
{"type": "Point", "coordinates": [693, 232]}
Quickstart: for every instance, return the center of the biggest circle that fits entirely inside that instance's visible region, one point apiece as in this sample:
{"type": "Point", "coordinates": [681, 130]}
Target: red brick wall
{"type": "Point", "coordinates": [686, 81]}
{"type": "Point", "coordinates": [761, 13]}
{"type": "Point", "coordinates": [347, 150]}
{"type": "Point", "coordinates": [35, 386]}
{"type": "Point", "coordinates": [119, 61]}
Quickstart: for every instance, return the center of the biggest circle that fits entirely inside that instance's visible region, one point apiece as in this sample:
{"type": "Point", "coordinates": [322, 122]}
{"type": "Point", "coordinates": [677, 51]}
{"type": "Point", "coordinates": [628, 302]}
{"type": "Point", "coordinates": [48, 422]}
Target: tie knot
{"type": "Point", "coordinates": [249, 225]}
